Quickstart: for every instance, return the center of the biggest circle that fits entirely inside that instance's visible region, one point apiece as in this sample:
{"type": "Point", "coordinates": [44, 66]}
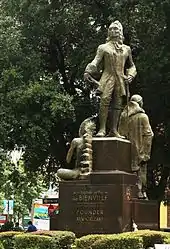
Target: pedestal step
{"type": "Point", "coordinates": [112, 177]}
{"type": "Point", "coordinates": [145, 214]}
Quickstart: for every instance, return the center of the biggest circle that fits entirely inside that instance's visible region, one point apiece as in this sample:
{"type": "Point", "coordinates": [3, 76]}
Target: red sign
{"type": "Point", "coordinates": [3, 218]}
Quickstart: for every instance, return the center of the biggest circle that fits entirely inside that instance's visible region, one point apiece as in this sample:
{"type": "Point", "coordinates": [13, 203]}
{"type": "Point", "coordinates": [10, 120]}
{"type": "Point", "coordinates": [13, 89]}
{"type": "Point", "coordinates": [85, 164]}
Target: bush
{"type": "Point", "coordinates": [34, 240]}
{"type": "Point", "coordinates": [7, 239]}
{"type": "Point", "coordinates": [85, 242]}
{"type": "Point", "coordinates": [112, 241]}
{"type": "Point", "coordinates": [139, 239]}
{"type": "Point", "coordinates": [167, 241]}
{"type": "Point", "coordinates": [64, 238]}
{"type": "Point", "coordinates": [118, 242]}
{"type": "Point", "coordinates": [1, 246]}
{"type": "Point", "coordinates": [27, 241]}
{"type": "Point", "coordinates": [150, 238]}
{"type": "Point", "coordinates": [45, 240]}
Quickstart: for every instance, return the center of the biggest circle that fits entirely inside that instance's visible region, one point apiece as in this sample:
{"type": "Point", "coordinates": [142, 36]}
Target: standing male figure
{"type": "Point", "coordinates": [113, 56]}
{"type": "Point", "coordinates": [134, 125]}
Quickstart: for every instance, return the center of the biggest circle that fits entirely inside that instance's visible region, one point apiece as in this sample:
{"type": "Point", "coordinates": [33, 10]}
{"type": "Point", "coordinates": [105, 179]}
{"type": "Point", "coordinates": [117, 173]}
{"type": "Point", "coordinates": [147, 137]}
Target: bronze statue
{"type": "Point", "coordinates": [134, 125]}
{"type": "Point", "coordinates": [83, 148]}
{"type": "Point", "coordinates": [112, 56]}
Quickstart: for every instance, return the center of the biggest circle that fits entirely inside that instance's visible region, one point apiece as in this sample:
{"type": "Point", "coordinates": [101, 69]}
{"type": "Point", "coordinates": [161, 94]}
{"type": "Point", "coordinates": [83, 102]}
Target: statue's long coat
{"type": "Point", "coordinates": [112, 60]}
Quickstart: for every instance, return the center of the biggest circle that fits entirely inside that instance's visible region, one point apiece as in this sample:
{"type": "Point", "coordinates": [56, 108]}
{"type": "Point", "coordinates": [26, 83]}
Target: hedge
{"type": "Point", "coordinates": [167, 241]}
{"type": "Point", "coordinates": [85, 242]}
{"type": "Point", "coordinates": [129, 240]}
{"type": "Point", "coordinates": [37, 240]}
{"type": "Point", "coordinates": [27, 241]}
{"type": "Point", "coordinates": [1, 246]}
{"type": "Point", "coordinates": [7, 239]}
{"type": "Point", "coordinates": [64, 238]}
{"type": "Point", "coordinates": [118, 242]}
{"type": "Point", "coordinates": [149, 238]}
{"type": "Point", "coordinates": [112, 241]}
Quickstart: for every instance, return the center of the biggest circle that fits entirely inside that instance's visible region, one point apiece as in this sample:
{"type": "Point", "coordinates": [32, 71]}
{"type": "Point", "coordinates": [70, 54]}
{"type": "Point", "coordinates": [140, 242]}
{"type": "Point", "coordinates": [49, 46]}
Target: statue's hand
{"type": "Point", "coordinates": [144, 157]}
{"type": "Point", "coordinates": [87, 77]}
{"type": "Point", "coordinates": [143, 163]}
{"type": "Point", "coordinates": [90, 79]}
{"type": "Point", "coordinates": [129, 79]}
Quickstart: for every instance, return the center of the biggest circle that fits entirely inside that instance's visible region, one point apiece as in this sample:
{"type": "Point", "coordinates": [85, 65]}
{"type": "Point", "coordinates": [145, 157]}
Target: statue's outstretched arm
{"type": "Point", "coordinates": [98, 58]}
{"type": "Point", "coordinates": [92, 67]}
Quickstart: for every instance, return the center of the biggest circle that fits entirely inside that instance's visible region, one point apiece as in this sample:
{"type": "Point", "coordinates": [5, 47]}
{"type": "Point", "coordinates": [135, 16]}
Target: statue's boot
{"type": "Point", "coordinates": [145, 196]}
{"type": "Point", "coordinates": [114, 131]}
{"type": "Point", "coordinates": [102, 119]}
{"type": "Point", "coordinates": [144, 188]}
{"type": "Point", "coordinates": [139, 185]}
{"type": "Point", "coordinates": [140, 195]}
{"type": "Point", "coordinates": [101, 133]}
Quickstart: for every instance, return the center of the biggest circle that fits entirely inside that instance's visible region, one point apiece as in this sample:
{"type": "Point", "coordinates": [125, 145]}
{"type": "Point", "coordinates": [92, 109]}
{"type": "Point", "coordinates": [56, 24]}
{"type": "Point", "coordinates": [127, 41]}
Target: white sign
{"type": "Point", "coordinates": [42, 224]}
{"type": "Point", "coordinates": [162, 246]}
{"type": "Point", "coordinates": [8, 206]}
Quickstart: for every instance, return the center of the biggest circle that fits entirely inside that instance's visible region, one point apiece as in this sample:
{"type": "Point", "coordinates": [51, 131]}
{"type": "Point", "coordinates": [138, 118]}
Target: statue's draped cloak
{"type": "Point", "coordinates": [134, 124]}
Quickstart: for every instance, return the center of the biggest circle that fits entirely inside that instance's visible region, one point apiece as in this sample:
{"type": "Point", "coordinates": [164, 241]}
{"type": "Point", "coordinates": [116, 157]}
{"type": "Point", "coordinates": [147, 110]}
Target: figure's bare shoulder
{"type": "Point", "coordinates": [144, 117]}
{"type": "Point", "coordinates": [76, 141]}
{"type": "Point", "coordinates": [126, 47]}
{"type": "Point", "coordinates": [102, 47]}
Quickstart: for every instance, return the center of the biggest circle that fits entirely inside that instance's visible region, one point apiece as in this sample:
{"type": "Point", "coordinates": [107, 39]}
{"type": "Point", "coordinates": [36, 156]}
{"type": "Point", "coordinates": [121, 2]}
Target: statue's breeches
{"type": "Point", "coordinates": [109, 92]}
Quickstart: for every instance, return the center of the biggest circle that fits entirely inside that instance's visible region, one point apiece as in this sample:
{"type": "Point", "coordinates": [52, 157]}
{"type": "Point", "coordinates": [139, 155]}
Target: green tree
{"type": "Point", "coordinates": [45, 48]}
{"type": "Point", "coordinates": [21, 186]}
{"type": "Point", "coordinates": [35, 108]}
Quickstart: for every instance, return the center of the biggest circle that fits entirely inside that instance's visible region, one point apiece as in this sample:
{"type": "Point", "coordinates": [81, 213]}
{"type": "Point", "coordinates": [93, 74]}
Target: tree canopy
{"type": "Point", "coordinates": [44, 48]}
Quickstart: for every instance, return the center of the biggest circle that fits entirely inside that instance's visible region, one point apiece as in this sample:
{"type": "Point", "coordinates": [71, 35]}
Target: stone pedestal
{"type": "Point", "coordinates": [110, 153]}
{"type": "Point", "coordinates": [105, 202]}
{"type": "Point", "coordinates": [112, 177]}
{"type": "Point", "coordinates": [87, 208]}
